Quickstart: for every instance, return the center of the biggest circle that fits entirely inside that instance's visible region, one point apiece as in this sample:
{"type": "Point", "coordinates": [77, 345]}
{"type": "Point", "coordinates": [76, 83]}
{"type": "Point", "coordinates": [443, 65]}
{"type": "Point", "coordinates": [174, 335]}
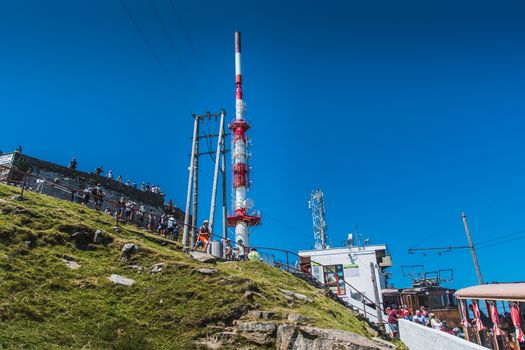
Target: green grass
{"type": "Point", "coordinates": [45, 305]}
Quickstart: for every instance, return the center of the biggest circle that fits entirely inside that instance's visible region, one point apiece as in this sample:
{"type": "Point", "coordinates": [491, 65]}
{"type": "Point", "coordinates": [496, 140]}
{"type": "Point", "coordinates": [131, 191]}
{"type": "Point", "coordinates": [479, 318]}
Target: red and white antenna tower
{"type": "Point", "coordinates": [241, 218]}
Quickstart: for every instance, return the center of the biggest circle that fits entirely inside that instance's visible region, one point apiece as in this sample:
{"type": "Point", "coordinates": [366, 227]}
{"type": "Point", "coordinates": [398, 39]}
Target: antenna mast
{"type": "Point", "coordinates": [318, 216]}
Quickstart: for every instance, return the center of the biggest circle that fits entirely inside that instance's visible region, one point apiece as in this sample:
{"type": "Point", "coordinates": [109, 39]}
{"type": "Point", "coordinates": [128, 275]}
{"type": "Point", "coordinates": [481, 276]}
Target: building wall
{"type": "Point", "coordinates": [418, 337]}
{"type": "Point", "coordinates": [357, 272]}
{"type": "Point", "coordinates": [64, 179]}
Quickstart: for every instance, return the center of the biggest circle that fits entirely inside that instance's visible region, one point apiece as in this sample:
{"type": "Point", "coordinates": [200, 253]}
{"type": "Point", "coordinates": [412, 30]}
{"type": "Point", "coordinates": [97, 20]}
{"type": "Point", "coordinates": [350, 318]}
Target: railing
{"type": "Point", "coordinates": [137, 216]}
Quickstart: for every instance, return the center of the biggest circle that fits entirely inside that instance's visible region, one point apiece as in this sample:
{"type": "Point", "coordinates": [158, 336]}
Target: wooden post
{"type": "Point", "coordinates": [466, 334]}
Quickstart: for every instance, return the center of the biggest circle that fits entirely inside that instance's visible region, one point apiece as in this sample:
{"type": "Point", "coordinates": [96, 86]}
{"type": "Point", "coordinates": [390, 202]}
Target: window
{"type": "Point", "coordinates": [334, 279]}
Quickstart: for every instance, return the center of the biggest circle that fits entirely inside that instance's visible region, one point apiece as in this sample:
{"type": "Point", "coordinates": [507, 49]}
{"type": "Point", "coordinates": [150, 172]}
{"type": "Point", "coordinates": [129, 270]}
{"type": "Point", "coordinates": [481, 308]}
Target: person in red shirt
{"type": "Point", "coordinates": [392, 322]}
{"type": "Point", "coordinates": [405, 313]}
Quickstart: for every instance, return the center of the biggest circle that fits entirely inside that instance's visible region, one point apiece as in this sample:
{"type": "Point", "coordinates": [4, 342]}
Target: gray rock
{"type": "Point", "coordinates": [254, 314]}
{"type": "Point", "coordinates": [157, 267]}
{"type": "Point", "coordinates": [202, 257]}
{"type": "Point", "coordinates": [262, 333]}
{"type": "Point", "coordinates": [298, 296]}
{"type": "Point", "coordinates": [117, 279]}
{"type": "Point", "coordinates": [207, 272]}
{"type": "Point", "coordinates": [73, 265]}
{"type": "Point", "coordinates": [128, 250]}
{"type": "Point", "coordinates": [261, 315]}
{"type": "Point", "coordinates": [312, 338]}
{"type": "Point", "coordinates": [297, 318]}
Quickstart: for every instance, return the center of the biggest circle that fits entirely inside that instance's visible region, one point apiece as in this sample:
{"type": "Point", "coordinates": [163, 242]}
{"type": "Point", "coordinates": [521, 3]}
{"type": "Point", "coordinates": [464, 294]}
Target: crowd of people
{"type": "Point", "coordinates": [128, 211]}
{"type": "Point", "coordinates": [421, 316]}
{"type": "Point", "coordinates": [145, 186]}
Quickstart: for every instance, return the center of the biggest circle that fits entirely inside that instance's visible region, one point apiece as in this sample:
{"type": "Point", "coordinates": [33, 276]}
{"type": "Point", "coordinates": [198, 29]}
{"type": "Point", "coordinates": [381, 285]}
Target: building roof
{"type": "Point", "coordinates": [499, 291]}
{"type": "Point", "coordinates": [343, 250]}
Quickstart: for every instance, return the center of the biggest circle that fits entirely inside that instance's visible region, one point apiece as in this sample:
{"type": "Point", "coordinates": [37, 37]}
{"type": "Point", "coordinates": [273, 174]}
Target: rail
{"type": "Point", "coordinates": [134, 216]}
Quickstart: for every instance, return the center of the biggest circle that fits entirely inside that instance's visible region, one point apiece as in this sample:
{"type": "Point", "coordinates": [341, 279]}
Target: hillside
{"type": "Point", "coordinates": [44, 304]}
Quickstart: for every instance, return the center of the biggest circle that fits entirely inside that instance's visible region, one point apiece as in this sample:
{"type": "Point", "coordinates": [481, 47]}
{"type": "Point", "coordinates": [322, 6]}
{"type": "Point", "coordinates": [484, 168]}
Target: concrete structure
{"type": "Point", "coordinates": [418, 337]}
{"type": "Point", "coordinates": [65, 179]}
{"type": "Point", "coordinates": [355, 266]}
{"type": "Point", "coordinates": [241, 219]}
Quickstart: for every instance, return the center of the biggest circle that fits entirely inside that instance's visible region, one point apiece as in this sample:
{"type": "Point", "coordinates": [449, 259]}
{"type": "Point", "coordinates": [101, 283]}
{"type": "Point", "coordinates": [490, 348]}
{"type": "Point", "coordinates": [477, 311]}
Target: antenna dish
{"type": "Point", "coordinates": [248, 203]}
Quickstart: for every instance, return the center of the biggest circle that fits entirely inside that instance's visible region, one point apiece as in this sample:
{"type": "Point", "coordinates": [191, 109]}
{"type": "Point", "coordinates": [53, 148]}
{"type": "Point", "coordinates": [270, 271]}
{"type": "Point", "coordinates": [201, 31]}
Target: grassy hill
{"type": "Point", "coordinates": [46, 305]}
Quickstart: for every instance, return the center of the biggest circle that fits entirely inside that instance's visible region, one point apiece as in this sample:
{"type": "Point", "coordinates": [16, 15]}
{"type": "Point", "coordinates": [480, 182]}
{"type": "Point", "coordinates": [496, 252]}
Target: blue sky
{"type": "Point", "coordinates": [404, 113]}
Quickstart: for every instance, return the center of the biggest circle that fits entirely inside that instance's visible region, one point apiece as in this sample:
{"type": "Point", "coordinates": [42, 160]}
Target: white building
{"type": "Point", "coordinates": [348, 270]}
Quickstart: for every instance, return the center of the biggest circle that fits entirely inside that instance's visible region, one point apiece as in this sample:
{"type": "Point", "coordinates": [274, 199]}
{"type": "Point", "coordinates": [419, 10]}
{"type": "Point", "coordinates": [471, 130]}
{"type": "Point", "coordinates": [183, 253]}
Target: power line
{"type": "Point", "coordinates": [437, 231]}
{"type": "Point", "coordinates": [285, 225]}
{"type": "Point", "coordinates": [195, 53]}
{"type": "Point", "coordinates": [501, 237]}
{"type": "Point", "coordinates": [172, 42]}
{"type": "Point", "coordinates": [155, 55]}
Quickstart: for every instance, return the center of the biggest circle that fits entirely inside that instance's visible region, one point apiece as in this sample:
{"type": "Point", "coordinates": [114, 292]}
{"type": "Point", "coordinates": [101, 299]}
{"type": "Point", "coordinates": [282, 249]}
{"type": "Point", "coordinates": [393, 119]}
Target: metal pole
{"type": "Point", "coordinates": [216, 172]}
{"type": "Point", "coordinates": [472, 250]}
{"type": "Point", "coordinates": [194, 221]}
{"type": "Point", "coordinates": [376, 295]}
{"type": "Point", "coordinates": [224, 198]}
{"type": "Point", "coordinates": [185, 234]}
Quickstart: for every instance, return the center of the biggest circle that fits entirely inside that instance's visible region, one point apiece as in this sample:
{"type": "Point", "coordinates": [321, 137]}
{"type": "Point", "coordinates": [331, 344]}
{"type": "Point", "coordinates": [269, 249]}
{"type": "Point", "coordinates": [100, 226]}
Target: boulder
{"type": "Point", "coordinates": [202, 257]}
{"type": "Point", "coordinates": [262, 333]}
{"type": "Point", "coordinates": [117, 279]}
{"type": "Point", "coordinates": [312, 338]}
{"type": "Point", "coordinates": [128, 250]}
{"type": "Point", "coordinates": [297, 318]}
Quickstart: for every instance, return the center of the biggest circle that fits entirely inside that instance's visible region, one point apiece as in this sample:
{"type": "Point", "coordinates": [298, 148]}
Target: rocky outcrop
{"type": "Point", "coordinates": [262, 333]}
{"type": "Point", "coordinates": [312, 338]}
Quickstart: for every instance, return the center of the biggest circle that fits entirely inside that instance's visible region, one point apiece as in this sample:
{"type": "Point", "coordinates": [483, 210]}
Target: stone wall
{"type": "Point", "coordinates": [418, 337]}
{"type": "Point", "coordinates": [65, 179]}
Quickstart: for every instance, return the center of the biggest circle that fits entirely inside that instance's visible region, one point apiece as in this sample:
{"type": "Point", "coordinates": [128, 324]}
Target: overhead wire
{"type": "Point", "coordinates": [150, 47]}
{"type": "Point", "coordinates": [437, 231]}
{"type": "Point", "coordinates": [179, 56]}
{"type": "Point", "coordinates": [285, 225]}
{"type": "Point", "coordinates": [199, 61]}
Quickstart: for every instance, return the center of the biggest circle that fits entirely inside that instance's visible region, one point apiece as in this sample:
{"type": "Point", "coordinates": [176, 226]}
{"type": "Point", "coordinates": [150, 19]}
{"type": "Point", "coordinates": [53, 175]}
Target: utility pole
{"type": "Point", "coordinates": [472, 250]}
{"type": "Point", "coordinates": [376, 295]}
{"type": "Point", "coordinates": [188, 237]}
{"type": "Point", "coordinates": [194, 221]}
{"type": "Point", "coordinates": [224, 208]}
{"type": "Point", "coordinates": [185, 235]}
{"type": "Point", "coordinates": [220, 142]}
